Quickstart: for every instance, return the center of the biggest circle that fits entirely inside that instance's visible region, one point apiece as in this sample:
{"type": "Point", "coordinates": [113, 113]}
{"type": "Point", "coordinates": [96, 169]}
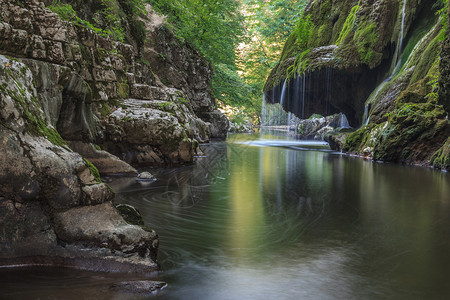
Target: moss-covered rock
{"type": "Point", "coordinates": [412, 132]}
{"type": "Point", "coordinates": [441, 158]}
{"type": "Point", "coordinates": [130, 214]}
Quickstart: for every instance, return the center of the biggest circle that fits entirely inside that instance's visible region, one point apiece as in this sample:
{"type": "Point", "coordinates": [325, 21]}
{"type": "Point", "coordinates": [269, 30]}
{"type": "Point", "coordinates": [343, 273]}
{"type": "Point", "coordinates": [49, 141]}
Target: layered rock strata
{"type": "Point", "coordinates": [74, 105]}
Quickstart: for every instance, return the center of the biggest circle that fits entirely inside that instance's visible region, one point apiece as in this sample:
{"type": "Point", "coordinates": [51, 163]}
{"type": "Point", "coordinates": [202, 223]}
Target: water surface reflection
{"type": "Point", "coordinates": [262, 220]}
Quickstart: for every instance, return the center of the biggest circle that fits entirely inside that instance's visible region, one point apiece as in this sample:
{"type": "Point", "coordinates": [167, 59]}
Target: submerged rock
{"type": "Point", "coordinates": [141, 287]}
{"type": "Point", "coordinates": [146, 176]}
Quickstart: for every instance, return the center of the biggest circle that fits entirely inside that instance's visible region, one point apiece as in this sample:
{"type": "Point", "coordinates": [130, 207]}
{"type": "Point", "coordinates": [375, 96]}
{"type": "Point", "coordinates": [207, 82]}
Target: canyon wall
{"type": "Point", "coordinates": [76, 104]}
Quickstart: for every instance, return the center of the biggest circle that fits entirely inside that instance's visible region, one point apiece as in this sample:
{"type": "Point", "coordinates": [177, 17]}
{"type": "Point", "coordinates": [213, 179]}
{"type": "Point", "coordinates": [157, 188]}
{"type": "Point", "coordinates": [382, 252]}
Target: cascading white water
{"type": "Point", "coordinates": [303, 95]}
{"type": "Point", "coordinates": [343, 122]}
{"type": "Point", "coordinates": [402, 29]}
{"type": "Point", "coordinates": [283, 93]}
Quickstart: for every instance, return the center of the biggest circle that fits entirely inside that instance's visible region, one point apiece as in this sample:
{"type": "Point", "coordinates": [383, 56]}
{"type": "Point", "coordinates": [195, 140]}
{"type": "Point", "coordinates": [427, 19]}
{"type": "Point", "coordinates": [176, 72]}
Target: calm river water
{"type": "Point", "coordinates": [264, 217]}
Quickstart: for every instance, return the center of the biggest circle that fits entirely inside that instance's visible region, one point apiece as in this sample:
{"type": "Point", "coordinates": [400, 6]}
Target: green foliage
{"type": "Point", "coordinates": [300, 64]}
{"type": "Point", "coordinates": [349, 25]}
{"type": "Point", "coordinates": [303, 31]}
{"type": "Point", "coordinates": [315, 116]}
{"type": "Point", "coordinates": [366, 39]}
{"type": "Point", "coordinates": [67, 13]}
{"type": "Point", "coordinates": [229, 86]}
{"type": "Point", "coordinates": [434, 75]}
{"type": "Point", "coordinates": [441, 158]}
{"type": "Point", "coordinates": [444, 20]}
{"type": "Point", "coordinates": [108, 17]}
{"type": "Point", "coordinates": [356, 140]}
{"type": "Point", "coordinates": [215, 28]}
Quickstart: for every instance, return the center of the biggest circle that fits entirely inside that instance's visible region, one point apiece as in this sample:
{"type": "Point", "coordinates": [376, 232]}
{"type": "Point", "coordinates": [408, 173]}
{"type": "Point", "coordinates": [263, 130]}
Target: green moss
{"type": "Point", "coordinates": [290, 48]}
{"type": "Point", "coordinates": [349, 25]}
{"type": "Point", "coordinates": [123, 89]}
{"type": "Point", "coordinates": [130, 214]}
{"type": "Point", "coordinates": [355, 141]}
{"type": "Point", "coordinates": [101, 54]}
{"type": "Point", "coordinates": [414, 93]}
{"type": "Point", "coordinates": [441, 158]}
{"type": "Point", "coordinates": [105, 110]}
{"type": "Point", "coordinates": [315, 116]}
{"type": "Point", "coordinates": [36, 125]}
{"type": "Point", "coordinates": [138, 32]}
{"type": "Point", "coordinates": [93, 169]}
{"type": "Point", "coordinates": [300, 65]}
{"type": "Point", "coordinates": [427, 60]}
{"type": "Point", "coordinates": [366, 39]}
{"type": "Point", "coordinates": [303, 31]}
{"type": "Point", "coordinates": [411, 125]}
{"type": "Point", "coordinates": [433, 82]}
{"type": "Point", "coordinates": [51, 134]}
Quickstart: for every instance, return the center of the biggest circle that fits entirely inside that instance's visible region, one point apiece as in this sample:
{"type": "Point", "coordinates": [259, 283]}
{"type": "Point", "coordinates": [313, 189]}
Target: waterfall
{"type": "Point", "coordinates": [283, 93]}
{"type": "Point", "coordinates": [328, 95]}
{"type": "Point", "coordinates": [263, 110]}
{"type": "Point", "coordinates": [402, 29]}
{"type": "Point", "coordinates": [343, 122]}
{"type": "Point", "coordinates": [303, 95]}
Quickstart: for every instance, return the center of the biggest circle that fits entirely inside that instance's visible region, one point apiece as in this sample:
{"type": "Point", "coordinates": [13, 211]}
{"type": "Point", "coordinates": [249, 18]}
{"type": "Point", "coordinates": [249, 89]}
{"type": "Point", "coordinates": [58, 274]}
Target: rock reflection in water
{"type": "Point", "coordinates": [270, 221]}
{"type": "Point", "coordinates": [266, 222]}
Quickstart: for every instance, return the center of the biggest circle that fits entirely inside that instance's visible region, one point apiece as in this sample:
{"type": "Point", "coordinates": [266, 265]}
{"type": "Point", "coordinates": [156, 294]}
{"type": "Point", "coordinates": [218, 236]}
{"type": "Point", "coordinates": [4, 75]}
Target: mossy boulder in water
{"type": "Point", "coordinates": [130, 214]}
{"type": "Point", "coordinates": [412, 133]}
{"type": "Point", "coordinates": [441, 158]}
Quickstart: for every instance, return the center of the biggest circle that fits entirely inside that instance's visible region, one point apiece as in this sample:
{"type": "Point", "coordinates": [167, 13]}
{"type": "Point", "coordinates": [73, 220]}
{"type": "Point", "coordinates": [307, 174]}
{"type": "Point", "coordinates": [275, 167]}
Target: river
{"type": "Point", "coordinates": [265, 217]}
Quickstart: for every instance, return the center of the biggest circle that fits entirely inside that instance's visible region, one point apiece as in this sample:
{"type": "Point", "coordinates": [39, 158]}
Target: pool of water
{"type": "Point", "coordinates": [263, 217]}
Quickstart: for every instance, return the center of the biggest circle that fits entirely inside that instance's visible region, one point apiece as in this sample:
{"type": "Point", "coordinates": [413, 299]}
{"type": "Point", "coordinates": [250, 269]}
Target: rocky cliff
{"type": "Point", "coordinates": [75, 104]}
{"type": "Point", "coordinates": [382, 64]}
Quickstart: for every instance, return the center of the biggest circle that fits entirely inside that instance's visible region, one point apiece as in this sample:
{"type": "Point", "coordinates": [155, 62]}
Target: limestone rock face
{"type": "Point", "coordinates": [68, 89]}
{"type": "Point", "coordinates": [83, 78]}
{"type": "Point", "coordinates": [165, 125]}
{"type": "Point", "coordinates": [50, 200]}
{"type": "Point", "coordinates": [105, 162]}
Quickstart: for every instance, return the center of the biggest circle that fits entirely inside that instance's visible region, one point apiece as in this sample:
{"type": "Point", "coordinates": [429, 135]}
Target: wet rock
{"type": "Point", "coordinates": [130, 214]}
{"type": "Point", "coordinates": [317, 127]}
{"type": "Point", "coordinates": [218, 123]}
{"type": "Point", "coordinates": [146, 176]}
{"type": "Point", "coordinates": [139, 287]}
{"type": "Point", "coordinates": [105, 162]}
{"type": "Point", "coordinates": [97, 194]}
{"type": "Point", "coordinates": [102, 226]}
{"type": "Point", "coordinates": [441, 158]}
{"type": "Point", "coordinates": [336, 140]}
{"type": "Point", "coordinates": [26, 229]}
